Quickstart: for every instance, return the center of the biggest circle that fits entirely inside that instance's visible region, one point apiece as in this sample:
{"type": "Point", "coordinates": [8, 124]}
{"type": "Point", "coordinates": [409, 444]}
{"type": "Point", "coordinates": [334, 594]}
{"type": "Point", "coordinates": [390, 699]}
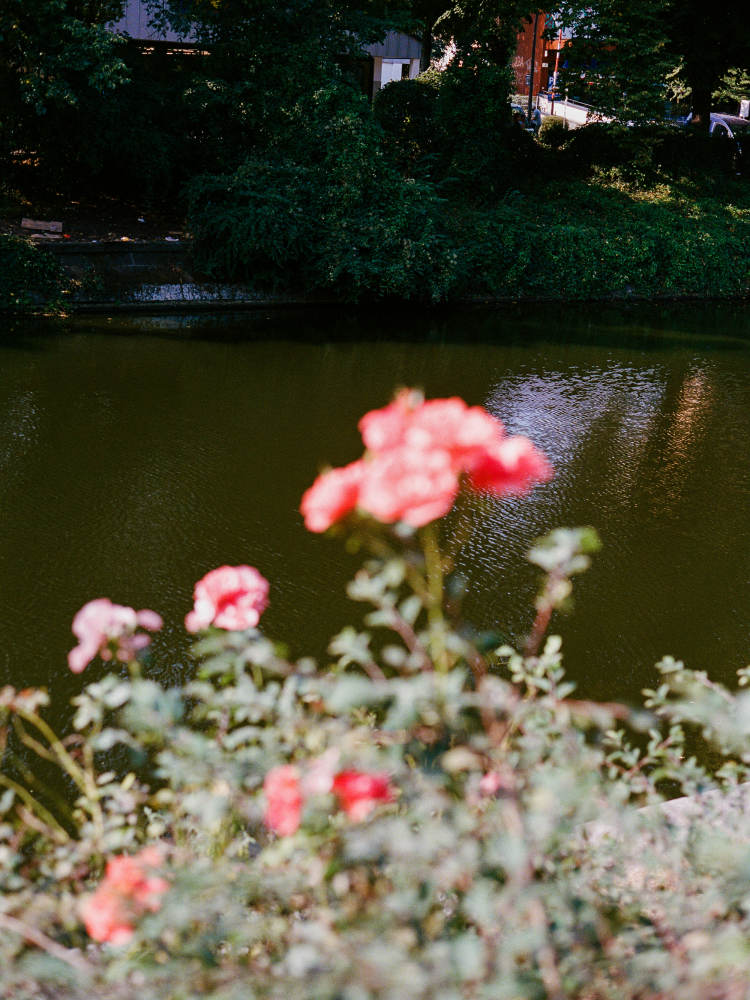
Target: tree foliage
{"type": "Point", "coordinates": [52, 50]}
{"type": "Point", "coordinates": [733, 86]}
{"type": "Point", "coordinates": [626, 56]}
{"type": "Point", "coordinates": [707, 42]}
{"type": "Point", "coordinates": [330, 27]}
{"type": "Point", "coordinates": [618, 59]}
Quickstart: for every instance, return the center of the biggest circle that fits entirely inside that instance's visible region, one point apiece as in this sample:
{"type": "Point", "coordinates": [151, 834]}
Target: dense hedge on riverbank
{"type": "Point", "coordinates": [588, 240]}
{"type": "Point", "coordinates": [408, 202]}
{"type": "Point", "coordinates": [567, 240]}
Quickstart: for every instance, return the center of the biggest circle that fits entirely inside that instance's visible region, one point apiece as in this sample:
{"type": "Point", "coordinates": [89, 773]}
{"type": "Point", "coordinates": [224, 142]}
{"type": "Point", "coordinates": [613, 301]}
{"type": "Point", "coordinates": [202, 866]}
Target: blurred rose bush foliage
{"type": "Point", "coordinates": [424, 817]}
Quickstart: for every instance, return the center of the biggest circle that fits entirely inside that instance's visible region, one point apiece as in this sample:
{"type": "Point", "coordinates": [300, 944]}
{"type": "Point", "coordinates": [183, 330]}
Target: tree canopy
{"type": "Point", "coordinates": [629, 56]}
{"type": "Point", "coordinates": [51, 49]}
{"type": "Point", "coordinates": [333, 27]}
{"type": "Point", "coordinates": [707, 42]}
{"type": "Point", "coordinates": [86, 103]}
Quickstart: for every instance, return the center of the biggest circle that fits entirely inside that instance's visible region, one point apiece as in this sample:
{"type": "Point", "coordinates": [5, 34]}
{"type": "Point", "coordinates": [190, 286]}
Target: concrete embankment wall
{"type": "Point", "coordinates": [147, 277]}
{"type": "Point", "coordinates": [160, 277]}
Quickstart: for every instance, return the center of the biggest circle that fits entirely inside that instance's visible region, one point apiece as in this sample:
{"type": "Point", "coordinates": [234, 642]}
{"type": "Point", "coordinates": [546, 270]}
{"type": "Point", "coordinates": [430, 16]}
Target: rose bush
{"type": "Point", "coordinates": [419, 818]}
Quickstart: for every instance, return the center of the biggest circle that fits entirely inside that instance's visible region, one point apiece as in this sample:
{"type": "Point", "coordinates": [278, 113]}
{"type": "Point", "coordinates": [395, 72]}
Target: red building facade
{"type": "Point", "coordinates": [545, 56]}
{"type": "Point", "coordinates": [530, 43]}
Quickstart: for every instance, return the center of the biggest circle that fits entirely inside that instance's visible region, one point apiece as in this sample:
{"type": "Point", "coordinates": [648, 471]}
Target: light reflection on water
{"type": "Point", "coordinates": [137, 454]}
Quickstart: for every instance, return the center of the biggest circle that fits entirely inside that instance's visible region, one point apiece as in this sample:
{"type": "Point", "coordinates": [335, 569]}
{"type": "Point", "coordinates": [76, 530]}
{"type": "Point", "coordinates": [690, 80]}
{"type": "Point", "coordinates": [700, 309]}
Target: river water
{"type": "Point", "coordinates": [137, 453]}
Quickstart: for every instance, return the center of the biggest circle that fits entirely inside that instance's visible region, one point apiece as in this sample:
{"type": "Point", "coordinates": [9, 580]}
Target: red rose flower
{"type": "Point", "coordinates": [509, 466]}
{"type": "Point", "coordinates": [417, 452]}
{"type": "Point", "coordinates": [409, 484]}
{"type": "Point", "coordinates": [359, 792]}
{"type": "Point", "coordinates": [332, 496]}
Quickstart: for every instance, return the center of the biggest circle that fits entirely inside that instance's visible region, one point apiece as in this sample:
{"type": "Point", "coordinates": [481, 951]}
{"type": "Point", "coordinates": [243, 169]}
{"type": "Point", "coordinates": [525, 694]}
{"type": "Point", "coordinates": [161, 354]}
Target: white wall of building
{"type": "Point", "coordinates": [135, 23]}
{"type": "Point", "coordinates": [390, 70]}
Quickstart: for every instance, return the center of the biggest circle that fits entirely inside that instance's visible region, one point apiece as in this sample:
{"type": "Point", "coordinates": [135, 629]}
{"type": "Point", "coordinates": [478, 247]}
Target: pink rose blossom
{"type": "Point", "coordinates": [283, 800]}
{"type": "Point", "coordinates": [359, 792]}
{"type": "Point", "coordinates": [230, 597]}
{"type": "Point", "coordinates": [128, 890]}
{"type": "Point", "coordinates": [490, 783]}
{"type": "Point", "coordinates": [149, 619]}
{"type": "Point", "coordinates": [409, 484]}
{"type": "Point", "coordinates": [386, 428]}
{"type": "Point", "coordinates": [332, 496]}
{"type": "Point", "coordinates": [100, 624]}
{"type": "Point", "coordinates": [445, 424]}
{"type": "Point", "coordinates": [417, 452]}
{"type": "Point", "coordinates": [511, 465]}
{"type": "Point", "coordinates": [453, 426]}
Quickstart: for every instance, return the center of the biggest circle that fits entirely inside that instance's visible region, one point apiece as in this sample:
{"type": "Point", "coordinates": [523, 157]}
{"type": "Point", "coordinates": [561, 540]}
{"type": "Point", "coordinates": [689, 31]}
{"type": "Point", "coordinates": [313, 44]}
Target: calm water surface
{"type": "Point", "coordinates": [138, 453]}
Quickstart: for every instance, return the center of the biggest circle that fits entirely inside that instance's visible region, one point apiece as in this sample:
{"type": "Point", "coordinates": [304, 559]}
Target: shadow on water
{"type": "Point", "coordinates": [138, 452]}
{"type": "Point", "coordinates": [711, 324]}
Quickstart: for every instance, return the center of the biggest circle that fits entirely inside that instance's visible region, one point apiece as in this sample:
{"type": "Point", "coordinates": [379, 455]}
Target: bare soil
{"type": "Point", "coordinates": [101, 220]}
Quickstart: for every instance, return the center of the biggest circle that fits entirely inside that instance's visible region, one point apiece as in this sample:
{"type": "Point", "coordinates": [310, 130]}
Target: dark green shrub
{"type": "Point", "coordinates": [553, 131]}
{"type": "Point", "coordinates": [127, 142]}
{"type": "Point", "coordinates": [603, 144]}
{"type": "Point", "coordinates": [407, 112]}
{"type": "Point", "coordinates": [323, 208]}
{"type": "Point", "coordinates": [29, 277]}
{"type": "Point", "coordinates": [742, 161]}
{"type": "Point", "coordinates": [687, 152]}
{"type": "Point", "coordinates": [175, 117]}
{"type": "Point", "coordinates": [485, 155]}
{"type": "Point", "coordinates": [640, 154]}
{"type": "Point", "coordinates": [582, 242]}
{"type": "Point", "coordinates": [255, 222]}
{"type": "Point", "coordinates": [394, 245]}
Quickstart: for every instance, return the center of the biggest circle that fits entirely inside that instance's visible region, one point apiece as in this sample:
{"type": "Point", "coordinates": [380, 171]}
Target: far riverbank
{"type": "Point", "coordinates": [583, 241]}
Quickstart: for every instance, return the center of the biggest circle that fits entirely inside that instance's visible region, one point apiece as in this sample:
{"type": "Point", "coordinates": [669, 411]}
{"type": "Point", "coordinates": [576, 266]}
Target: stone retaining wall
{"type": "Point", "coordinates": [148, 277]}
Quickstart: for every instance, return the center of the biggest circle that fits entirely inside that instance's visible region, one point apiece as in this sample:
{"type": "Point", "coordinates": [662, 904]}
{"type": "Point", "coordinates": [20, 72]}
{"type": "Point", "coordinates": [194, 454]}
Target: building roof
{"type": "Point", "coordinates": [395, 46]}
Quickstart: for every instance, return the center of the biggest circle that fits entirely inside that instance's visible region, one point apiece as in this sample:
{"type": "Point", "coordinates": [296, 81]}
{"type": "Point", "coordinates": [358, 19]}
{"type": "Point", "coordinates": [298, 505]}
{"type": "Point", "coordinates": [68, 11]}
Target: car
{"type": "Point", "coordinates": [726, 126]}
{"type": "Point", "coordinates": [731, 126]}
{"type": "Point", "coordinates": [735, 129]}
